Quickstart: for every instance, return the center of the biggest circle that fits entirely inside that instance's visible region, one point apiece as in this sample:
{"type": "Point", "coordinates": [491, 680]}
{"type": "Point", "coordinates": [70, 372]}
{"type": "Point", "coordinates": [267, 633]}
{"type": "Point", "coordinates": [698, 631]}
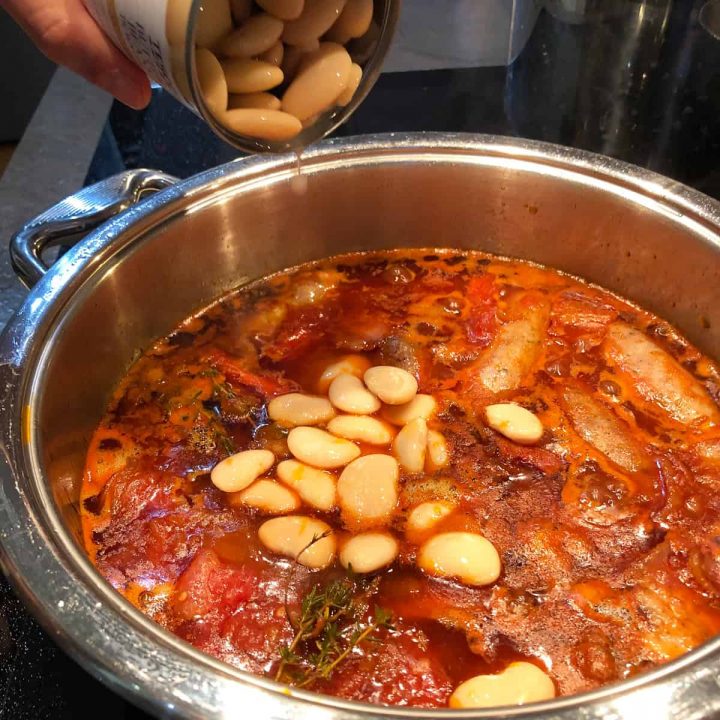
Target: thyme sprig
{"type": "Point", "coordinates": [331, 623]}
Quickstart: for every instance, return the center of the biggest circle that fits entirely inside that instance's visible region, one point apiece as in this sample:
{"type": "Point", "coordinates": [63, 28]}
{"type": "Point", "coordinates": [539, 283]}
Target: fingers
{"type": "Point", "coordinates": [68, 35]}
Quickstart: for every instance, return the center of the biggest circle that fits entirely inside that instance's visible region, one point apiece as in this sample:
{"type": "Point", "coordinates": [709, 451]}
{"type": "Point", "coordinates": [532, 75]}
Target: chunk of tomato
{"type": "Point", "coordinates": [301, 329]}
{"type": "Point", "coordinates": [397, 670]}
{"type": "Point", "coordinates": [267, 384]}
{"type": "Point", "coordinates": [481, 324]}
{"type": "Point", "coordinates": [209, 584]}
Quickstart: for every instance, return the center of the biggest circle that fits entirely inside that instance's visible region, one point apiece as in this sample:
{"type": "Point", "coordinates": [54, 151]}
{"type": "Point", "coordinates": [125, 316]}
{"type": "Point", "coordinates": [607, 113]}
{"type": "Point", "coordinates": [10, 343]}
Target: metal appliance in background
{"type": "Point", "coordinates": [138, 275]}
{"type": "Point", "coordinates": [616, 79]}
{"type": "Point", "coordinates": [710, 17]}
{"type": "Point", "coordinates": [461, 34]}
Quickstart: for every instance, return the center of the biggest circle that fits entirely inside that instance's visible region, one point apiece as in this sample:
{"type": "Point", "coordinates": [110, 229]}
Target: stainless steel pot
{"type": "Point", "coordinates": [145, 270]}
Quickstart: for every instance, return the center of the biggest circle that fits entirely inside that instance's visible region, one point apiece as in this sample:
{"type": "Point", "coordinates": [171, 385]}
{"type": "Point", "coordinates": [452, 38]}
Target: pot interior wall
{"type": "Point", "coordinates": [231, 233]}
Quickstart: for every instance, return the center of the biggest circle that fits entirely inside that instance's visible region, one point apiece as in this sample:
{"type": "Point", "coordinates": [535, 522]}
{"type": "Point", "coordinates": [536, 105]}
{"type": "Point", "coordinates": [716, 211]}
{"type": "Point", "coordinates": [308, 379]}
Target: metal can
{"type": "Point", "coordinates": [162, 37]}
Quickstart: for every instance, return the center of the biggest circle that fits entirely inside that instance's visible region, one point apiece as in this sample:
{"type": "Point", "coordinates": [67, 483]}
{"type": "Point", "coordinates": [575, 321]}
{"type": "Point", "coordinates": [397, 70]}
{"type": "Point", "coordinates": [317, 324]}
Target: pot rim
{"type": "Point", "coordinates": [132, 654]}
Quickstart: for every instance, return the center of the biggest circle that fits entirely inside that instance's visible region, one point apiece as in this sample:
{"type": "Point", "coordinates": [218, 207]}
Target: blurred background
{"type": "Point", "coordinates": [21, 90]}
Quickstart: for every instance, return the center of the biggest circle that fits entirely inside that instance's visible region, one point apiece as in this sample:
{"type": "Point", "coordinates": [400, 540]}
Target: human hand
{"type": "Point", "coordinates": [66, 32]}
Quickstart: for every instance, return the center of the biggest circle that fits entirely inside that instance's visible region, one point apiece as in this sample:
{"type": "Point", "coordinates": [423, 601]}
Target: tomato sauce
{"type": "Point", "coordinates": [606, 528]}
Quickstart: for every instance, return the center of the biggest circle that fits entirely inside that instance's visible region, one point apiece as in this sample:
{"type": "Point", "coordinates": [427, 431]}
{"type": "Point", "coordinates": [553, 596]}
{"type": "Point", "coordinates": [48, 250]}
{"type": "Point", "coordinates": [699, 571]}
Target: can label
{"type": "Point", "coordinates": [139, 29]}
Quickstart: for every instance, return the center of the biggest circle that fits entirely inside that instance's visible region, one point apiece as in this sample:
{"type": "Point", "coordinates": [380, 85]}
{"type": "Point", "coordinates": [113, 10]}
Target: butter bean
{"type": "Point", "coordinates": [273, 55]}
{"type": "Point", "coordinates": [321, 449]}
{"type": "Point", "coordinates": [240, 470]}
{"type": "Point", "coordinates": [259, 101]}
{"type": "Point", "coordinates": [368, 491]}
{"type": "Point", "coordinates": [311, 120]}
{"type": "Point", "coordinates": [295, 58]}
{"type": "Point", "coordinates": [317, 17]}
{"type": "Point", "coordinates": [353, 83]}
{"type": "Point", "coordinates": [363, 48]}
{"type": "Point", "coordinates": [347, 393]}
{"type": "Point", "coordinates": [514, 422]}
{"type": "Point", "coordinates": [520, 683]}
{"type": "Point", "coordinates": [315, 487]}
{"type": "Point", "coordinates": [299, 409]}
{"type": "Point", "coordinates": [437, 452]}
{"type": "Point", "coordinates": [393, 385]}
{"type": "Point", "coordinates": [211, 77]}
{"type": "Point", "coordinates": [283, 9]}
{"type": "Point", "coordinates": [256, 35]}
{"type": "Point", "coordinates": [176, 21]}
{"type": "Point", "coordinates": [425, 516]}
{"type": "Point", "coordinates": [423, 406]}
{"type": "Point", "coordinates": [309, 47]}
{"type": "Point", "coordinates": [410, 445]}
{"type": "Point", "coordinates": [269, 497]}
{"type": "Point", "coordinates": [293, 536]}
{"type": "Point", "coordinates": [265, 124]}
{"type": "Point", "coordinates": [361, 428]}
{"type": "Point", "coordinates": [241, 10]}
{"type": "Point", "coordinates": [369, 552]}
{"type": "Point", "coordinates": [214, 23]}
{"type": "Point", "coordinates": [250, 76]}
{"type": "Point", "coordinates": [350, 364]}
{"type": "Point", "coordinates": [292, 58]}
{"type": "Point", "coordinates": [319, 82]}
{"type": "Point", "coordinates": [354, 21]}
{"type": "Point", "coordinates": [467, 557]}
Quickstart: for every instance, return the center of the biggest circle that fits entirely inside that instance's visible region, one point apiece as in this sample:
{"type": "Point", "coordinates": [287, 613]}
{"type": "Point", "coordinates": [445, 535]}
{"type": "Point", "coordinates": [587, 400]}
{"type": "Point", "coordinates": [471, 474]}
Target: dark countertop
{"type": "Point", "coordinates": [639, 81]}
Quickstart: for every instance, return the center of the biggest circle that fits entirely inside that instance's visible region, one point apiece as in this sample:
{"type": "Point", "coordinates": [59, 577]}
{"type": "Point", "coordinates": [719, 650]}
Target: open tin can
{"type": "Point", "coordinates": [163, 36]}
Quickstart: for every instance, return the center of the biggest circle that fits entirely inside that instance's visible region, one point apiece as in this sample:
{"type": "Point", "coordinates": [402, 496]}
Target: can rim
{"type": "Point", "coordinates": [326, 123]}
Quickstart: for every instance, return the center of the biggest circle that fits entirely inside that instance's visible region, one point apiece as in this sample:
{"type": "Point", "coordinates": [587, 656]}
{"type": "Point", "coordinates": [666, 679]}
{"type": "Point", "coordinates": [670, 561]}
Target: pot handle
{"type": "Point", "coordinates": [72, 218]}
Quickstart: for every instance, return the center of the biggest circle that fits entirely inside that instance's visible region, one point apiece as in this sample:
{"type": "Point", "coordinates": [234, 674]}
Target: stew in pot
{"type": "Point", "coordinates": [421, 478]}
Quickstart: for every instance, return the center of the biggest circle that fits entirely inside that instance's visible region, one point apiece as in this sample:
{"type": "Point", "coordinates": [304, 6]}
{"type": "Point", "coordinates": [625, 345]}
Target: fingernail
{"type": "Point", "coordinates": [129, 89]}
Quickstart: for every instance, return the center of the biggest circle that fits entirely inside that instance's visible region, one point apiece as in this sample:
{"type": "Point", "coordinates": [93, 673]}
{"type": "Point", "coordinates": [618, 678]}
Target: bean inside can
{"type": "Point", "coordinates": [267, 75]}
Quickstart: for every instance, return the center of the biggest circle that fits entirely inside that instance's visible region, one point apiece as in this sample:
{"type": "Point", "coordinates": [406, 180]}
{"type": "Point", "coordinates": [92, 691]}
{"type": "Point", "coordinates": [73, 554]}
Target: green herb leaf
{"type": "Point", "coordinates": [329, 626]}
